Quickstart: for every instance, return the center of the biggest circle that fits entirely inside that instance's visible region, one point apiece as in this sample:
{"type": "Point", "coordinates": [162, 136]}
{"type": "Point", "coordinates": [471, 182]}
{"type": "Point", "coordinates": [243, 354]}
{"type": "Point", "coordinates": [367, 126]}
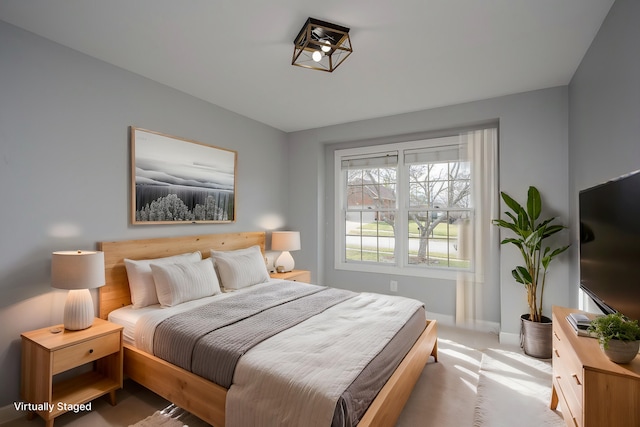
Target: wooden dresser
{"type": "Point", "coordinates": [592, 390]}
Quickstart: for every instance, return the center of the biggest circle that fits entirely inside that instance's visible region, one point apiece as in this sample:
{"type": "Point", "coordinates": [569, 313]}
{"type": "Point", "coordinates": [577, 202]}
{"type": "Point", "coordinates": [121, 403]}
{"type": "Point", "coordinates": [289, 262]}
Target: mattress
{"type": "Point", "coordinates": [353, 401]}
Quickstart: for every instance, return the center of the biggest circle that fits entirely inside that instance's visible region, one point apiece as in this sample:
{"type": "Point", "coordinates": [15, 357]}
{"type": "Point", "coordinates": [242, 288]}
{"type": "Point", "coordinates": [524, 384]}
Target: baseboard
{"type": "Point", "coordinates": [442, 319]}
{"type": "Point", "coordinates": [9, 413]}
{"type": "Point", "coordinates": [481, 325]}
{"type": "Point", "coordinates": [477, 325]}
{"type": "Point", "coordinates": [509, 338]}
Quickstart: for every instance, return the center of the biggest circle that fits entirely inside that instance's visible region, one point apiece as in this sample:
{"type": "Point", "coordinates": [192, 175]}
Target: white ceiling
{"type": "Point", "coordinates": [409, 55]}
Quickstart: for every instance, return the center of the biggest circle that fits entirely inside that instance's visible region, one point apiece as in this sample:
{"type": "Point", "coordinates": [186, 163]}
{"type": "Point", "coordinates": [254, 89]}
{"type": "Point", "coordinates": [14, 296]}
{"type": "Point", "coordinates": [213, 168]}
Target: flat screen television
{"type": "Point", "coordinates": [610, 245]}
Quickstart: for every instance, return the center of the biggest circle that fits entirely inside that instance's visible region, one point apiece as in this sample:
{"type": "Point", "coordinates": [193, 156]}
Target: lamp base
{"type": "Point", "coordinates": [78, 310]}
{"type": "Point", "coordinates": [285, 260]}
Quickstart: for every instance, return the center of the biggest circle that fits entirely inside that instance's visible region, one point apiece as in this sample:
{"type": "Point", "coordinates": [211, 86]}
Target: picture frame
{"type": "Point", "coordinates": [177, 181]}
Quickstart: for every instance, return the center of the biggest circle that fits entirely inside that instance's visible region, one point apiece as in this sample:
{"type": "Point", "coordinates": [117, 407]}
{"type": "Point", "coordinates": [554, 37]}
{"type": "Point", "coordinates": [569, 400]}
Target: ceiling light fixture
{"type": "Point", "coordinates": [321, 45]}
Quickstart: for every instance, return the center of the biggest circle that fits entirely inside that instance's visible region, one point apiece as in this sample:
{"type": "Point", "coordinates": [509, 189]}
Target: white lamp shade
{"type": "Point", "coordinates": [77, 269]}
{"type": "Point", "coordinates": [285, 240]}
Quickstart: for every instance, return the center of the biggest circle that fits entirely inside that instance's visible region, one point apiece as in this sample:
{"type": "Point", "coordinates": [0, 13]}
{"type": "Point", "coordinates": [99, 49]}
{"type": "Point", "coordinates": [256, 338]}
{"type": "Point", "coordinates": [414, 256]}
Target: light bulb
{"type": "Point", "coordinates": [317, 56]}
{"type": "Point", "coordinates": [327, 46]}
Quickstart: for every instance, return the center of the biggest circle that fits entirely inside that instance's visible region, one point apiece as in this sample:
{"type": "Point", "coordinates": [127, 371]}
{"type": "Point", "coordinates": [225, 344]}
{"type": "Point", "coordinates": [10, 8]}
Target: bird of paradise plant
{"type": "Point", "coordinates": [530, 234]}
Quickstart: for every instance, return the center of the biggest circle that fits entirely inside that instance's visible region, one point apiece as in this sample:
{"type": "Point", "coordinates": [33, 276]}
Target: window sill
{"type": "Point", "coordinates": [433, 273]}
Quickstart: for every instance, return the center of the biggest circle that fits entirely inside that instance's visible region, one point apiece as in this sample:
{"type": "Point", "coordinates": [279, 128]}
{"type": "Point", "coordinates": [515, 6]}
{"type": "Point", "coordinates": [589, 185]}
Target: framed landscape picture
{"type": "Point", "coordinates": [175, 180]}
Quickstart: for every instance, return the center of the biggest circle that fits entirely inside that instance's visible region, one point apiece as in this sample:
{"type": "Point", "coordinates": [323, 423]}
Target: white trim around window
{"type": "Point", "coordinates": [383, 158]}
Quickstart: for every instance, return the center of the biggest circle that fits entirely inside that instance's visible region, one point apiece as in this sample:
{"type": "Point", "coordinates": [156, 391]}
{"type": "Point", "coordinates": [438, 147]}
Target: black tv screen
{"type": "Point", "coordinates": [610, 245]}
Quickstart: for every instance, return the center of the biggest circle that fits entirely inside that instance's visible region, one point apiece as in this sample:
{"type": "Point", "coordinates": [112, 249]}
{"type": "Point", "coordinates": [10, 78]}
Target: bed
{"type": "Point", "coordinates": [205, 398]}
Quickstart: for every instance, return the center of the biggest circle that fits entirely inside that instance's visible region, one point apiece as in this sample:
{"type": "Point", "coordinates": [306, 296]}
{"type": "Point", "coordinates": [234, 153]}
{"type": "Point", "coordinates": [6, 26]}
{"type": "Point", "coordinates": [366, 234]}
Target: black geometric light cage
{"type": "Point", "coordinates": [321, 45]}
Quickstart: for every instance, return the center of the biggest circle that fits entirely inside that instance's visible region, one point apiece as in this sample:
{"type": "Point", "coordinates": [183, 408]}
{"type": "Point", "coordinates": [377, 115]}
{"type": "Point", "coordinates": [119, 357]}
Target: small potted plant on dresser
{"type": "Point", "coordinates": [618, 336]}
{"type": "Point", "coordinates": [530, 233]}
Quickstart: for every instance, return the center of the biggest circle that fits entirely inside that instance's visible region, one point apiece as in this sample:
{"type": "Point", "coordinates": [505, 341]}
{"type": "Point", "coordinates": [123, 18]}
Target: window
{"type": "Point", "coordinates": [411, 208]}
{"type": "Point", "coordinates": [369, 217]}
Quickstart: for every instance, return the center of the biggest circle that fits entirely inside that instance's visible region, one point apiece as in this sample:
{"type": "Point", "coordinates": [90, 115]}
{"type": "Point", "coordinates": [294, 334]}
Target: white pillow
{"type": "Point", "coordinates": [141, 285]}
{"type": "Point", "coordinates": [178, 283]}
{"type": "Point", "coordinates": [240, 268]}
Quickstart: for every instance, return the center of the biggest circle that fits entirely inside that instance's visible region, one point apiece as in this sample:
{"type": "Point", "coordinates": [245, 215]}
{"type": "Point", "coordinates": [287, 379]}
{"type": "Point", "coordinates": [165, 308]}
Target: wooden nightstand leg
{"type": "Point", "coordinates": [49, 423]}
{"type": "Point", "coordinates": [112, 398]}
{"type": "Point", "coordinates": [31, 415]}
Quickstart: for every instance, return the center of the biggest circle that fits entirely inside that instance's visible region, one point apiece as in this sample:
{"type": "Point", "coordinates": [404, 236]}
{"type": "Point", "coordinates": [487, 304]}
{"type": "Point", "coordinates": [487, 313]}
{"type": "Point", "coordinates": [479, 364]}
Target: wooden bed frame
{"type": "Point", "coordinates": [199, 396]}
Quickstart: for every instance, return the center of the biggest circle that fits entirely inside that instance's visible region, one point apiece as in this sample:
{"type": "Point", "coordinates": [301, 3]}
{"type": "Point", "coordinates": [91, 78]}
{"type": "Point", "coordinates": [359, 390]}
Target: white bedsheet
{"type": "Point", "coordinates": [128, 317]}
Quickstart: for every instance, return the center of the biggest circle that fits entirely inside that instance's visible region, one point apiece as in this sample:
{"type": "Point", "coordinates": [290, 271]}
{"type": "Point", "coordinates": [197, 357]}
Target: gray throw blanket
{"type": "Point", "coordinates": [210, 339]}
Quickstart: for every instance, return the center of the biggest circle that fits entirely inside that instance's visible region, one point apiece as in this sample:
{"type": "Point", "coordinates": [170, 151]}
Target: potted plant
{"type": "Point", "coordinates": [618, 336]}
{"type": "Point", "coordinates": [530, 233]}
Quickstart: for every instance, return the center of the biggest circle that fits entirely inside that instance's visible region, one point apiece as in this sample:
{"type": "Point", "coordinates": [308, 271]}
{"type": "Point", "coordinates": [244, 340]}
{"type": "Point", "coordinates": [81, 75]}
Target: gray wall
{"type": "Point", "coordinates": [533, 151]}
{"type": "Point", "coordinates": [604, 110]}
{"type": "Point", "coordinates": [64, 170]}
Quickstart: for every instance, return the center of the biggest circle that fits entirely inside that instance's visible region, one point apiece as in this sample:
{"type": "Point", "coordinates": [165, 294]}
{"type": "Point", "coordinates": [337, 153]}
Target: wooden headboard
{"type": "Point", "coordinates": [115, 293]}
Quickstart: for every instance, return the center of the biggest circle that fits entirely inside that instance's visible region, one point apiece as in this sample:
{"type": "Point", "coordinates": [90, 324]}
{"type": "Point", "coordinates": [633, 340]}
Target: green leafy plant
{"type": "Point", "coordinates": [530, 233]}
{"type": "Point", "coordinates": [614, 327]}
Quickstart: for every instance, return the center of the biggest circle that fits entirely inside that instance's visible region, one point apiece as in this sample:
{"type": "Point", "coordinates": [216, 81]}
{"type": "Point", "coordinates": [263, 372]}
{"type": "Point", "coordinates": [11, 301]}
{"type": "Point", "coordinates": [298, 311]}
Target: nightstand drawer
{"type": "Point", "coordinates": [302, 276]}
{"type": "Point", "coordinates": [84, 352]}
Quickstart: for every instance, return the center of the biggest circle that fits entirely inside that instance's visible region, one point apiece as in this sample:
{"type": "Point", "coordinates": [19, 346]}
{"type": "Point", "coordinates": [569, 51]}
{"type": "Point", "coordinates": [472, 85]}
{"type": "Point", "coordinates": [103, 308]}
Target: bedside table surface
{"type": "Point", "coordinates": [295, 275]}
{"type": "Point", "coordinates": [54, 341]}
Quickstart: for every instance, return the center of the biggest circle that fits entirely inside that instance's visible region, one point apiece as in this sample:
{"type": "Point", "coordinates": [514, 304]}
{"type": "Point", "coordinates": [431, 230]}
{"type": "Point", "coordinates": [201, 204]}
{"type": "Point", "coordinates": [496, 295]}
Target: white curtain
{"type": "Point", "coordinates": [481, 237]}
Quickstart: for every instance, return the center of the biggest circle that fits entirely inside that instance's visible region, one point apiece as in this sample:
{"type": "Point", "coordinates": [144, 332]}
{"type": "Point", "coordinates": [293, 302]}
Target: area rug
{"type": "Point", "coordinates": [514, 388]}
{"type": "Point", "coordinates": [171, 416]}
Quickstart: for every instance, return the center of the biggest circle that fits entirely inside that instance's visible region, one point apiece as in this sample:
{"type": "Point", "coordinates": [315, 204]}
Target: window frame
{"type": "Point", "coordinates": [401, 265]}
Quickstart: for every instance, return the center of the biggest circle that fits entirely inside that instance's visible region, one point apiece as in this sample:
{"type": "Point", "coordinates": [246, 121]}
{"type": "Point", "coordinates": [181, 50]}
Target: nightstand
{"type": "Point", "coordinates": [46, 354]}
{"type": "Point", "coordinates": [294, 275]}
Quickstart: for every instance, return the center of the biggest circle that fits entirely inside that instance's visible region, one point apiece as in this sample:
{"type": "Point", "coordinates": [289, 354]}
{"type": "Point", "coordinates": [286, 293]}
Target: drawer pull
{"type": "Point", "coordinates": [555, 350]}
{"type": "Point", "coordinates": [556, 335]}
{"type": "Point", "coordinates": [90, 350]}
{"type": "Point", "coordinates": [576, 378]}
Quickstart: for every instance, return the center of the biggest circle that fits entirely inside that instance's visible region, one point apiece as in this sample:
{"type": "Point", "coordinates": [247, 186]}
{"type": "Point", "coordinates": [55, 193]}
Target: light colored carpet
{"type": "Point", "coordinates": [446, 391]}
{"type": "Point", "coordinates": [513, 386]}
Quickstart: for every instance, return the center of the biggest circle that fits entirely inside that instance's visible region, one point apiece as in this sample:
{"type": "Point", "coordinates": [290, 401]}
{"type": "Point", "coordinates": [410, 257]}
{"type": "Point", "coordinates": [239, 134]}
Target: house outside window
{"type": "Point", "coordinates": [410, 208]}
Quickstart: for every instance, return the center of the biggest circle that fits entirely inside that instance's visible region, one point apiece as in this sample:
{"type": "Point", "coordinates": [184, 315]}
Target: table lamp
{"type": "Point", "coordinates": [285, 241]}
{"type": "Point", "coordinates": [78, 271]}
